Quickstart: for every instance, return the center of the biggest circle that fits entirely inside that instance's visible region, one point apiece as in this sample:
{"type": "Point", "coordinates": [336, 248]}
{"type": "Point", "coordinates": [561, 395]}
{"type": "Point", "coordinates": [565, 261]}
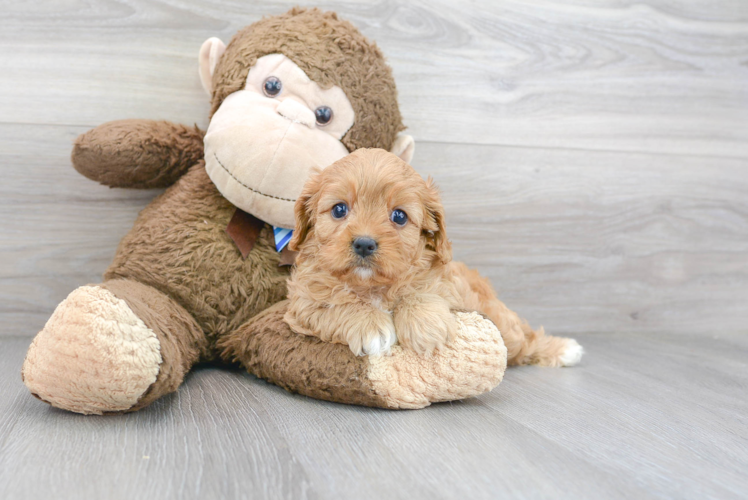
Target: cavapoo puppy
{"type": "Point", "coordinates": [374, 267]}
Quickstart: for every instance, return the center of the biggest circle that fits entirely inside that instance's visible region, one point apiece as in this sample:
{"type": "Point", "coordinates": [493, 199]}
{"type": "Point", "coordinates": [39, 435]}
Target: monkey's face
{"type": "Point", "coordinates": [264, 139]}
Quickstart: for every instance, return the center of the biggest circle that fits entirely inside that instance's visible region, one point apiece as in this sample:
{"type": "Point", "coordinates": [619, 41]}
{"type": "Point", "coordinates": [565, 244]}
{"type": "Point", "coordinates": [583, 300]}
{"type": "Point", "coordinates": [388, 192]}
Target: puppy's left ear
{"type": "Point", "coordinates": [304, 211]}
{"type": "Point", "coordinates": [434, 226]}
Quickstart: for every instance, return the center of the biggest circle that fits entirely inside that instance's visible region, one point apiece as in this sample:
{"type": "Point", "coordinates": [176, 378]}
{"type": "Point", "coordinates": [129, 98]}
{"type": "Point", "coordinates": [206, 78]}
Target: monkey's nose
{"type": "Point", "coordinates": [364, 246]}
{"type": "Point", "coordinates": [293, 110]}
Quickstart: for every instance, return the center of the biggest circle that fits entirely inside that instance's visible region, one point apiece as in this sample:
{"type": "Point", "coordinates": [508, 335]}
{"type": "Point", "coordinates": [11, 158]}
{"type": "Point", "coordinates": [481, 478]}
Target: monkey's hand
{"type": "Point", "coordinates": [137, 153]}
{"type": "Point", "coordinates": [424, 322]}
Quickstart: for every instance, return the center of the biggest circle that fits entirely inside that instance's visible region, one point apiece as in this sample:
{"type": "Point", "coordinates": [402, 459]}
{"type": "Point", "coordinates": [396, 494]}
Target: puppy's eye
{"type": "Point", "coordinates": [323, 114]}
{"type": "Point", "coordinates": [399, 217]}
{"type": "Point", "coordinates": [339, 211]}
{"type": "Point", "coordinates": [272, 86]}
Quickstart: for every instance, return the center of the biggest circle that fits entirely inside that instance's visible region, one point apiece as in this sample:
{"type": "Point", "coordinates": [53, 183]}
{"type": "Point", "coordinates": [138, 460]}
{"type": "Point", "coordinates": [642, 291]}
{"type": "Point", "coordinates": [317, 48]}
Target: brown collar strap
{"type": "Point", "coordinates": [244, 229]}
{"type": "Point", "coordinates": [287, 257]}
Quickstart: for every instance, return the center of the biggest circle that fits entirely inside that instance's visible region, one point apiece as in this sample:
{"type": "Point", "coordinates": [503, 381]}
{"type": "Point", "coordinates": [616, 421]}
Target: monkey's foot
{"type": "Point", "coordinates": [93, 356]}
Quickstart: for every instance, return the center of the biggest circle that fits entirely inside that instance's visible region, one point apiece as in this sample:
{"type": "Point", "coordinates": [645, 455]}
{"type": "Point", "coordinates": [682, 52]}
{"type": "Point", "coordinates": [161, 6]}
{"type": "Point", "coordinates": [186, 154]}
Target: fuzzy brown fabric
{"type": "Point", "coordinates": [268, 348]}
{"type": "Point", "coordinates": [331, 52]}
{"type": "Point", "coordinates": [181, 340]}
{"type": "Point", "coordinates": [137, 153]}
{"type": "Point", "coordinates": [179, 246]}
{"type": "Point", "coordinates": [184, 278]}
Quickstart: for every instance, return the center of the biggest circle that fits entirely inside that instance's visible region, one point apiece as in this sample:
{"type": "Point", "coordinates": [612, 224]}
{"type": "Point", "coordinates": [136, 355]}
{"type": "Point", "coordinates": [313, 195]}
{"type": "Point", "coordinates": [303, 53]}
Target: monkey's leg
{"type": "Point", "coordinates": [524, 345]}
{"type": "Point", "coordinates": [114, 347]}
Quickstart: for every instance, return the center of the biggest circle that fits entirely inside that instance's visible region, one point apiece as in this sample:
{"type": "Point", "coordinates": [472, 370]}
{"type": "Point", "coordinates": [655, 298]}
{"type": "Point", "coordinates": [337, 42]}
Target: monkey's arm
{"type": "Point", "coordinates": [470, 365]}
{"type": "Point", "coordinates": [137, 153]}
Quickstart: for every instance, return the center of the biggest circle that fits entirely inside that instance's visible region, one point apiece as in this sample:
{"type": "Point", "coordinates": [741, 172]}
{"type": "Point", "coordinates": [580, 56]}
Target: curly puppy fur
{"type": "Point", "coordinates": [408, 285]}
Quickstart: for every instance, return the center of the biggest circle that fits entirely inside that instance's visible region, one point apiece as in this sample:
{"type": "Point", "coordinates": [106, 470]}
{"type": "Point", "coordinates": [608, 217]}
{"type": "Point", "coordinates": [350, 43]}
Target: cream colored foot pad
{"type": "Point", "coordinates": [94, 355]}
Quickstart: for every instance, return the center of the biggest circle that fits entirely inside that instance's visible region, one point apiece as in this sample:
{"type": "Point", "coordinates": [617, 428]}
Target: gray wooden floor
{"type": "Point", "coordinates": [593, 157]}
{"type": "Point", "coordinates": [663, 416]}
{"type": "Point", "coordinates": [593, 154]}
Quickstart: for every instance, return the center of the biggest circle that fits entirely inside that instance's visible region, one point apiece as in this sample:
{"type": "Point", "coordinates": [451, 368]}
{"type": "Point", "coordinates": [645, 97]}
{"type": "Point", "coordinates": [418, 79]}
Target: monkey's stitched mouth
{"type": "Point", "coordinates": [249, 188]}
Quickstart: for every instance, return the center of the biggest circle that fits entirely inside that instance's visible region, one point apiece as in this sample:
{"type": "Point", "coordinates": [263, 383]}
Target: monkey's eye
{"type": "Point", "coordinates": [272, 86]}
{"type": "Point", "coordinates": [339, 211]}
{"type": "Point", "coordinates": [323, 114]}
{"type": "Point", "coordinates": [399, 217]}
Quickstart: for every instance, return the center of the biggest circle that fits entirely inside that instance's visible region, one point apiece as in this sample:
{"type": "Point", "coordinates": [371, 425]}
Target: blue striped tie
{"type": "Point", "coordinates": [282, 237]}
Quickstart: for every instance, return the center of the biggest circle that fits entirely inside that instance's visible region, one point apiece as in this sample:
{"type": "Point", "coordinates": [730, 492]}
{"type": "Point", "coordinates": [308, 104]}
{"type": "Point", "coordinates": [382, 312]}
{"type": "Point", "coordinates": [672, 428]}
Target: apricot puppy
{"type": "Point", "coordinates": [374, 267]}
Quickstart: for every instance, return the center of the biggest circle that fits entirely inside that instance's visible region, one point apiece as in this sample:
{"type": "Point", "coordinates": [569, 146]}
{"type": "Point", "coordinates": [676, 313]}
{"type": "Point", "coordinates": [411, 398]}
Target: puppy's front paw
{"type": "Point", "coordinates": [376, 338]}
{"type": "Point", "coordinates": [382, 342]}
{"type": "Point", "coordinates": [424, 323]}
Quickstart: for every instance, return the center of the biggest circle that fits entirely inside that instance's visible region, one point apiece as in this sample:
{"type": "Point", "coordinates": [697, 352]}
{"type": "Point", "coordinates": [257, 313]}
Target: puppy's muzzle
{"type": "Point", "coordinates": [364, 246]}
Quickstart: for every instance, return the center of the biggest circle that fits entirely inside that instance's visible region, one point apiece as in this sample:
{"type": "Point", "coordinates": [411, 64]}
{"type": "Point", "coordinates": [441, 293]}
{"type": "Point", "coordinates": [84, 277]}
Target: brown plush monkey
{"type": "Point", "coordinates": [196, 277]}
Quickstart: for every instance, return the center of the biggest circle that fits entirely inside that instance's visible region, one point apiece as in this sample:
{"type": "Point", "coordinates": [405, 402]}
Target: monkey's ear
{"type": "Point", "coordinates": [434, 224]}
{"type": "Point", "coordinates": [210, 53]}
{"type": "Point", "coordinates": [404, 147]}
{"type": "Point", "coordinates": [304, 211]}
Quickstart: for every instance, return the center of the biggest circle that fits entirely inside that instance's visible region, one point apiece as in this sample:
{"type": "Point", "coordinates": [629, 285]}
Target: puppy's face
{"type": "Point", "coordinates": [371, 218]}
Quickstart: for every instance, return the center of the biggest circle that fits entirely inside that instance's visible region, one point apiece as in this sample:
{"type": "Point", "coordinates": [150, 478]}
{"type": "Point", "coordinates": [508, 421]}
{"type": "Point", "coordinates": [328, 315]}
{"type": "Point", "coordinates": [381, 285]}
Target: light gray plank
{"type": "Point", "coordinates": [650, 76]}
{"type": "Point", "coordinates": [58, 230]}
{"type": "Point", "coordinates": [653, 409]}
{"type": "Point", "coordinates": [601, 241]}
{"type": "Point", "coordinates": [459, 450]}
{"type": "Point", "coordinates": [577, 241]}
{"type": "Point", "coordinates": [644, 416]}
{"type": "Point", "coordinates": [195, 444]}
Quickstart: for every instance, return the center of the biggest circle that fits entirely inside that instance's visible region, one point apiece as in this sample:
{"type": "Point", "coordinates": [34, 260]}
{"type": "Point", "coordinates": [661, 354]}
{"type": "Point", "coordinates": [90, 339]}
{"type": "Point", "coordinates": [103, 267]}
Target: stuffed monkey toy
{"type": "Point", "coordinates": [201, 276]}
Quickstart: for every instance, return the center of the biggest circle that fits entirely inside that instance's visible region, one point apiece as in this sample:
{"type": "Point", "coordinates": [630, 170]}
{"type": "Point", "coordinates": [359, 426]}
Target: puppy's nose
{"type": "Point", "coordinates": [364, 246]}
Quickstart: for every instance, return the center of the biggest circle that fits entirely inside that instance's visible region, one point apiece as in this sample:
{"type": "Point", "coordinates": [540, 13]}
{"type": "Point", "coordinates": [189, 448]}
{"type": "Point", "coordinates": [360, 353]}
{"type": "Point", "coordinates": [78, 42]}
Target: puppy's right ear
{"type": "Point", "coordinates": [304, 211]}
